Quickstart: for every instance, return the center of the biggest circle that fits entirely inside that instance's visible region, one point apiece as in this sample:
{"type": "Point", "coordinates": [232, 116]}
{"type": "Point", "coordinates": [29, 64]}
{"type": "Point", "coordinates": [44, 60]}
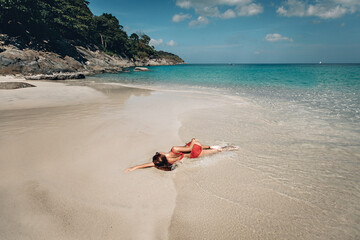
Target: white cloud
{"type": "Point", "coordinates": [154, 42]}
{"type": "Point", "coordinates": [325, 12]}
{"type": "Point", "coordinates": [171, 43]}
{"type": "Point", "coordinates": [183, 4]}
{"type": "Point", "coordinates": [180, 17]}
{"type": "Point", "coordinates": [228, 14]}
{"type": "Point", "coordinates": [352, 5]}
{"type": "Point", "coordinates": [199, 21]}
{"type": "Point", "coordinates": [257, 52]}
{"type": "Point", "coordinates": [210, 8]}
{"type": "Point", "coordinates": [294, 8]}
{"type": "Point", "coordinates": [276, 37]}
{"type": "Point", "coordinates": [209, 11]}
{"type": "Point", "coordinates": [325, 9]}
{"type": "Point", "coordinates": [160, 42]}
{"type": "Point", "coordinates": [249, 10]}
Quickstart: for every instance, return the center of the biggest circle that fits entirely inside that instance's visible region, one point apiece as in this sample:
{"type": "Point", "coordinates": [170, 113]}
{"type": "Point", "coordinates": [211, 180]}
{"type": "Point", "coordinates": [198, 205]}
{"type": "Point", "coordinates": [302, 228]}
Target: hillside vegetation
{"type": "Point", "coordinates": [59, 25]}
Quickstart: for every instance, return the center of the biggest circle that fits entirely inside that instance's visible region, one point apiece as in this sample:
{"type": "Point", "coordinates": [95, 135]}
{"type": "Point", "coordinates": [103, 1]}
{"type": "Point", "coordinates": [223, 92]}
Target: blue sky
{"type": "Point", "coordinates": [245, 31]}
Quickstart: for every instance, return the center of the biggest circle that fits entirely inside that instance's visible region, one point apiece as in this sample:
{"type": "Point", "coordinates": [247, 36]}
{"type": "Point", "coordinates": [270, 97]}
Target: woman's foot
{"type": "Point", "coordinates": [218, 148]}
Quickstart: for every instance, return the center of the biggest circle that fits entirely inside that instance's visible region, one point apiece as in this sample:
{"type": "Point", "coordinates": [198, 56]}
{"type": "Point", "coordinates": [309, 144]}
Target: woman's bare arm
{"type": "Point", "coordinates": [145, 165]}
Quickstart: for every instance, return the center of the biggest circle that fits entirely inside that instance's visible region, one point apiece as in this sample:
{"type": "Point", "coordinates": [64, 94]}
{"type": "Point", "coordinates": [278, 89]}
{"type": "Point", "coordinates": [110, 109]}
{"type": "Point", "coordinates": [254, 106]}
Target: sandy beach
{"type": "Point", "coordinates": [64, 148]}
{"type": "Point", "coordinates": [63, 151]}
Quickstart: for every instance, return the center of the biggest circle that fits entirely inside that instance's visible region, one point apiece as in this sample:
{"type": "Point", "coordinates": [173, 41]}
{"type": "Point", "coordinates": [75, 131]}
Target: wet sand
{"type": "Point", "coordinates": [287, 181]}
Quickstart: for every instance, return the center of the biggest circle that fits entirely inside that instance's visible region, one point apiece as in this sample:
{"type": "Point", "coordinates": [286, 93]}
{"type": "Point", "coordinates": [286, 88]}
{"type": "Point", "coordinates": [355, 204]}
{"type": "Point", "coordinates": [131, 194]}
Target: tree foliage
{"type": "Point", "coordinates": [72, 20]}
{"type": "Point", "coordinates": [109, 34]}
{"type": "Point", "coordinates": [43, 19]}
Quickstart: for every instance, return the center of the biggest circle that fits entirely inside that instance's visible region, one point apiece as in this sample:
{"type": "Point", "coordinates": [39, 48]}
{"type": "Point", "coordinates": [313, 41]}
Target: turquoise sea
{"type": "Point", "coordinates": [333, 89]}
{"type": "Point", "coordinates": [298, 126]}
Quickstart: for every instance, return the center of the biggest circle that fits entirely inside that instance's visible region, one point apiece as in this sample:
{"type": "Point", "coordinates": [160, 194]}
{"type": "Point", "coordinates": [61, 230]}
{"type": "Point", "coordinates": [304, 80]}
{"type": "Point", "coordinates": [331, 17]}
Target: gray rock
{"type": "Point", "coordinates": [15, 85]}
{"type": "Point", "coordinates": [6, 61]}
{"type": "Point", "coordinates": [141, 69]}
{"type": "Point", "coordinates": [58, 76]}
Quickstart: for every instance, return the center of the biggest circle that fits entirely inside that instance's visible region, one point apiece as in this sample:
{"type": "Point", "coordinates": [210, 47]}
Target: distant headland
{"type": "Point", "coordinates": [37, 37]}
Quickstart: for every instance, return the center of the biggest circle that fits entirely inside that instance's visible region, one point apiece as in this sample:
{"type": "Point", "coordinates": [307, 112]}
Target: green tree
{"type": "Point", "coordinates": [72, 18]}
{"type": "Point", "coordinates": [110, 35]}
{"type": "Point", "coordinates": [21, 17]}
{"type": "Point", "coordinates": [41, 18]}
{"type": "Point", "coordinates": [145, 39]}
{"type": "Point", "coordinates": [134, 37]}
{"type": "Point", "coordinates": [64, 21]}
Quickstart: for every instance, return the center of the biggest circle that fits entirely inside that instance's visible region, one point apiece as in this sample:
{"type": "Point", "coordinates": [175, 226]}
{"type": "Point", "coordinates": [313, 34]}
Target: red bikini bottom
{"type": "Point", "coordinates": [195, 151]}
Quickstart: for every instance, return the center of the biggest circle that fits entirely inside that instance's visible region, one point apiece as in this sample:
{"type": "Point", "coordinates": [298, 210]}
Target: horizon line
{"type": "Point", "coordinates": [232, 63]}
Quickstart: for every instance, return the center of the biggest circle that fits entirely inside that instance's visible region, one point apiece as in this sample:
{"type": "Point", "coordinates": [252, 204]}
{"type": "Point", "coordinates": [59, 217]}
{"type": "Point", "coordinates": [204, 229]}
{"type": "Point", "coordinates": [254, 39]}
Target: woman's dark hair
{"type": "Point", "coordinates": [161, 162]}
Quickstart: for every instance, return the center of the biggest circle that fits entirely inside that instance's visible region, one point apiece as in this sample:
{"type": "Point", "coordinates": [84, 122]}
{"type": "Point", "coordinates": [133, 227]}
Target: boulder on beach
{"type": "Point", "coordinates": [15, 85]}
{"type": "Point", "coordinates": [141, 69]}
{"type": "Point", "coordinates": [56, 76]}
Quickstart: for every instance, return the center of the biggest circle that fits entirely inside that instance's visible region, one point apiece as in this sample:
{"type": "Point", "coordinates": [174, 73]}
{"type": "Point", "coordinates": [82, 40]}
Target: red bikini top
{"type": "Point", "coordinates": [180, 153]}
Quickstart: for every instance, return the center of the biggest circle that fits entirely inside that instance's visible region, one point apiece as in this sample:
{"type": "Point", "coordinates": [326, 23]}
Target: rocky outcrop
{"type": "Point", "coordinates": [17, 60]}
{"type": "Point", "coordinates": [28, 61]}
{"type": "Point", "coordinates": [14, 85]}
{"type": "Point", "coordinates": [99, 62]}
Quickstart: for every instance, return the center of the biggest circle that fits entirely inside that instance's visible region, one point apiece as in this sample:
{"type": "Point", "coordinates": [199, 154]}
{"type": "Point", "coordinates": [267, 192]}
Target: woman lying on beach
{"type": "Point", "coordinates": [193, 149]}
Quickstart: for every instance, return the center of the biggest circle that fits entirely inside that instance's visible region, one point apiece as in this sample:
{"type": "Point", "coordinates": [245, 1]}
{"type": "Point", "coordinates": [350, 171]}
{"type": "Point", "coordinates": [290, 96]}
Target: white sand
{"type": "Point", "coordinates": [63, 152]}
{"type": "Point", "coordinates": [45, 94]}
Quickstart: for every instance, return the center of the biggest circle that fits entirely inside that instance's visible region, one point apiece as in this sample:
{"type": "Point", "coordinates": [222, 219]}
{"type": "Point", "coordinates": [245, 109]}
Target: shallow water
{"type": "Point", "coordinates": [296, 175]}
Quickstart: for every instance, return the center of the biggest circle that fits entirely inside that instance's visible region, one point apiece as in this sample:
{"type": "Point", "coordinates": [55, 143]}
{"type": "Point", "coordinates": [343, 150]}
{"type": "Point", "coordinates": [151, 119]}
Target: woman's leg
{"type": "Point", "coordinates": [210, 151]}
{"type": "Point", "coordinates": [206, 152]}
{"type": "Point", "coordinates": [198, 150]}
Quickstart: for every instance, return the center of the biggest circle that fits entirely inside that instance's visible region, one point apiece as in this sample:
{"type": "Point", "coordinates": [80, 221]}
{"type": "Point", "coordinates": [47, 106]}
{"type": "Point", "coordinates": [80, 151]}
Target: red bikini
{"type": "Point", "coordinates": [195, 151]}
{"type": "Point", "coordinates": [180, 153]}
